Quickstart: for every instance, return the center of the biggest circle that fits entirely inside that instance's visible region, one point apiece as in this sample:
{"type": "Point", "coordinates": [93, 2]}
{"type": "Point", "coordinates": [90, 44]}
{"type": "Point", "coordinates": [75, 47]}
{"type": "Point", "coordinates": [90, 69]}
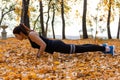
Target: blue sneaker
{"type": "Point", "coordinates": [112, 50]}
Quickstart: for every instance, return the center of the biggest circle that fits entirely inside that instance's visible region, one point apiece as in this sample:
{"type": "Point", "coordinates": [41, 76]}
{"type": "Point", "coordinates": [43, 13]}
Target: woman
{"type": "Point", "coordinates": [44, 44]}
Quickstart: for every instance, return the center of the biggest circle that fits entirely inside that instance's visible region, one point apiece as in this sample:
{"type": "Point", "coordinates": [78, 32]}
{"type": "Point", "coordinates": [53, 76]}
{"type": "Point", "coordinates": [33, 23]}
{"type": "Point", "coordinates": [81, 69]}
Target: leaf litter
{"type": "Point", "coordinates": [18, 62]}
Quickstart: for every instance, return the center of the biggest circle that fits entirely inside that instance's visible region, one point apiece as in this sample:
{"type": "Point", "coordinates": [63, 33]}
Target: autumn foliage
{"type": "Point", "coordinates": [18, 62]}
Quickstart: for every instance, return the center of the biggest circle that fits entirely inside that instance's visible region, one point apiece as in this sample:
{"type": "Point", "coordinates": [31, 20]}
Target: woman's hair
{"type": "Point", "coordinates": [21, 28]}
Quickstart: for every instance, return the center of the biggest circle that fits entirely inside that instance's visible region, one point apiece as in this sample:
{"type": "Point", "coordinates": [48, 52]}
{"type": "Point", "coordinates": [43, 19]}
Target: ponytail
{"type": "Point", "coordinates": [25, 27]}
{"type": "Point", "coordinates": [21, 28]}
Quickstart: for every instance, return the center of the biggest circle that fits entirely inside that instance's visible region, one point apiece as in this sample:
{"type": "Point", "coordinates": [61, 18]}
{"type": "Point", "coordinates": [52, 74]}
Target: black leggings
{"type": "Point", "coordinates": [59, 46]}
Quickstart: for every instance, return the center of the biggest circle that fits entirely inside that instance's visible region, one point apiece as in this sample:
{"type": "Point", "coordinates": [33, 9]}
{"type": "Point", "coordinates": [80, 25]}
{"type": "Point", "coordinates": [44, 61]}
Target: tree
{"type": "Point", "coordinates": [85, 35]}
{"type": "Point", "coordinates": [35, 22]}
{"type": "Point", "coordinates": [42, 19]}
{"type": "Point", "coordinates": [118, 6]}
{"type": "Point", "coordinates": [24, 13]}
{"type": "Point", "coordinates": [53, 7]}
{"type": "Point", "coordinates": [5, 10]}
{"type": "Point", "coordinates": [118, 33]}
{"type": "Point", "coordinates": [63, 20]}
{"type": "Point", "coordinates": [49, 6]}
{"type": "Point", "coordinates": [108, 19]}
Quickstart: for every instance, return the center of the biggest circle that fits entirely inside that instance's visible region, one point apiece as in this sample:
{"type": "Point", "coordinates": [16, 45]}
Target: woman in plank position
{"type": "Point", "coordinates": [44, 44]}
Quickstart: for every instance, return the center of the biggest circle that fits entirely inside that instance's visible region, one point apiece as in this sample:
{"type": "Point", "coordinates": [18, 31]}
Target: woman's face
{"type": "Point", "coordinates": [19, 37]}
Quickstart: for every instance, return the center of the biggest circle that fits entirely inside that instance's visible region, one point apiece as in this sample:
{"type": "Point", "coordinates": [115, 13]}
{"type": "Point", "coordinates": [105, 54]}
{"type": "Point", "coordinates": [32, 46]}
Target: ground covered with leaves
{"type": "Point", "coordinates": [18, 62]}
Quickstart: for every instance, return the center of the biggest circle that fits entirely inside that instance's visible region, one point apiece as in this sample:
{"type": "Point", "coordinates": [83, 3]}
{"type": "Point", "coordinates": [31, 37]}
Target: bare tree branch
{"type": "Point", "coordinates": [36, 21]}
{"type": "Point", "coordinates": [4, 13]}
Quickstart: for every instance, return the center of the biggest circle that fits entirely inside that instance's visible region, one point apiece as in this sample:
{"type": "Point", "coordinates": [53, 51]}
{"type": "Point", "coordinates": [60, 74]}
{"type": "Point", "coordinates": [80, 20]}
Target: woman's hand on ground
{"type": "Point", "coordinates": [38, 55]}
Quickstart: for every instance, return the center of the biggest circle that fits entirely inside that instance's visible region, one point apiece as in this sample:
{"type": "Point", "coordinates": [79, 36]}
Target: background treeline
{"type": "Point", "coordinates": [40, 14]}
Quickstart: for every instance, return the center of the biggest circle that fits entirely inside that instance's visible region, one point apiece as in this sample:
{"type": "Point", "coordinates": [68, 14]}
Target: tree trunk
{"type": "Point", "coordinates": [63, 20]}
{"type": "Point", "coordinates": [85, 35]}
{"type": "Point", "coordinates": [53, 21]}
{"type": "Point", "coordinates": [42, 19]}
{"type": "Point", "coordinates": [48, 17]}
{"type": "Point", "coordinates": [108, 21]}
{"type": "Point", "coordinates": [24, 14]}
{"type": "Point", "coordinates": [118, 33]}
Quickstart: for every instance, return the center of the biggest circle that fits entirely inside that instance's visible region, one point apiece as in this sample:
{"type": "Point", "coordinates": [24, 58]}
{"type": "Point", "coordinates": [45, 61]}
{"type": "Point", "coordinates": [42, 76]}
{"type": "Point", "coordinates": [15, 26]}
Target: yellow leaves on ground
{"type": "Point", "coordinates": [18, 62]}
{"type": "Point", "coordinates": [1, 56]}
{"type": "Point", "coordinates": [56, 62]}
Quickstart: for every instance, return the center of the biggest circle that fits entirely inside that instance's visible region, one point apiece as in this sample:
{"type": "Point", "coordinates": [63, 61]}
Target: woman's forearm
{"type": "Point", "coordinates": [41, 50]}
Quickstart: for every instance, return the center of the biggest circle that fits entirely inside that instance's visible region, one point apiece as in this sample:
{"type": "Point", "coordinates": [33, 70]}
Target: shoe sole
{"type": "Point", "coordinates": [113, 50]}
